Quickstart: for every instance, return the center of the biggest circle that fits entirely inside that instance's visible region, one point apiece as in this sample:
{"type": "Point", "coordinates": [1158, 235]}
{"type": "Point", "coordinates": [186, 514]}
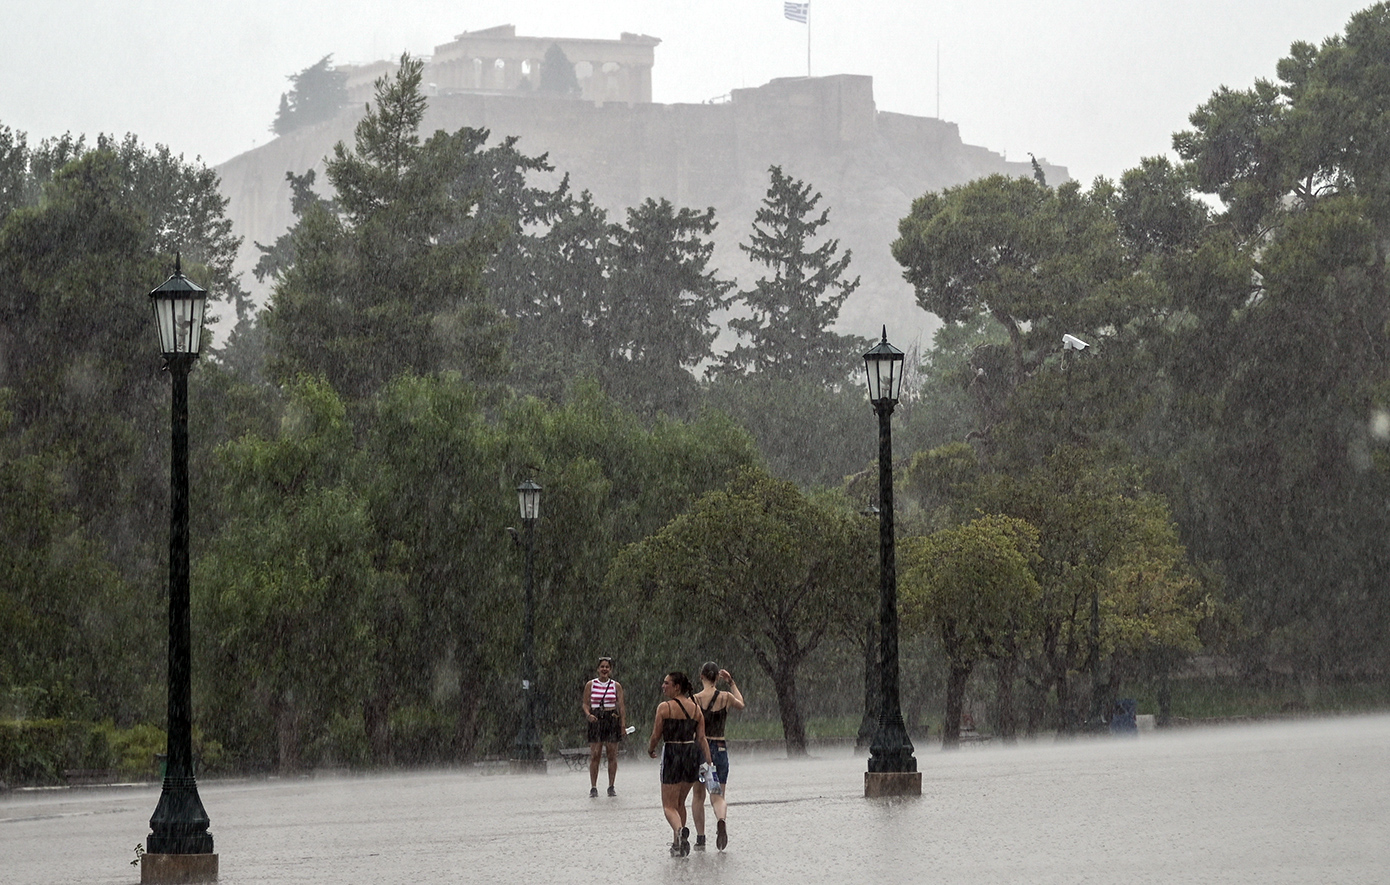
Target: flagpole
{"type": "Point", "coordinates": [808, 42]}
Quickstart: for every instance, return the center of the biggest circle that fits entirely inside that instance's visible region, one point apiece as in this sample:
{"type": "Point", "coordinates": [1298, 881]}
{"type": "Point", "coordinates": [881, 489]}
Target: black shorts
{"type": "Point", "coordinates": [680, 764]}
{"type": "Point", "coordinates": [607, 730]}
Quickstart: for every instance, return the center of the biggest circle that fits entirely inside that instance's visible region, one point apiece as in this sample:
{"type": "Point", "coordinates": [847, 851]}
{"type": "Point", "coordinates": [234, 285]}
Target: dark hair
{"type": "Point", "coordinates": [710, 671]}
{"type": "Point", "coordinates": [602, 658]}
{"type": "Point", "coordinates": [681, 681]}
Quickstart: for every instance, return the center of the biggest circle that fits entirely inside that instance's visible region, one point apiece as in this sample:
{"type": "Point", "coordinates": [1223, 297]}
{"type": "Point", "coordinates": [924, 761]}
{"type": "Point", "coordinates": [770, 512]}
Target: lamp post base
{"type": "Point", "coordinates": [167, 869]}
{"type": "Point", "coordinates": [880, 784]}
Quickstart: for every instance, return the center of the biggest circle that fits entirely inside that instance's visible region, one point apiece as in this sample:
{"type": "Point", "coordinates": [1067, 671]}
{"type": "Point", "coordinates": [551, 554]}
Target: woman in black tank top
{"type": "Point", "coordinates": [715, 705]}
{"type": "Point", "coordinates": [681, 725]}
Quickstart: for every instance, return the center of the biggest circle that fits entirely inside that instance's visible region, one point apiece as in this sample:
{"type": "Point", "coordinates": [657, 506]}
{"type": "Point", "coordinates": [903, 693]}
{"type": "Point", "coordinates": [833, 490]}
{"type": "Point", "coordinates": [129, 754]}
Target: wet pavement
{"type": "Point", "coordinates": [1278, 803]}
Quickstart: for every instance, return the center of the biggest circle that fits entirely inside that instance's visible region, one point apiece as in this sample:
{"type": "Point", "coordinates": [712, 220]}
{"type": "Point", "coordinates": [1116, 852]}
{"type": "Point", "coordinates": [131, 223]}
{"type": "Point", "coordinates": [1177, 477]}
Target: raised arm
{"type": "Point", "coordinates": [735, 696]}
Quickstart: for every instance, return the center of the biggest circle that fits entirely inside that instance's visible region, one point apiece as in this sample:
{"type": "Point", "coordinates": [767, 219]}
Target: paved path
{"type": "Point", "coordinates": [1288, 803]}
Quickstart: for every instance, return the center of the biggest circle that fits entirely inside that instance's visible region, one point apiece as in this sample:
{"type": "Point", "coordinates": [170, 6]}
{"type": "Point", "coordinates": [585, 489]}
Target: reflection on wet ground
{"type": "Point", "coordinates": [1290, 802]}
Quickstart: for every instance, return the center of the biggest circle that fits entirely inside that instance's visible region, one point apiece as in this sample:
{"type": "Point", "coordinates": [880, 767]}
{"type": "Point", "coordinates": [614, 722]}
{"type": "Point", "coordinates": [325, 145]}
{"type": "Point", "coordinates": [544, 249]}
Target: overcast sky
{"type": "Point", "coordinates": [1093, 85]}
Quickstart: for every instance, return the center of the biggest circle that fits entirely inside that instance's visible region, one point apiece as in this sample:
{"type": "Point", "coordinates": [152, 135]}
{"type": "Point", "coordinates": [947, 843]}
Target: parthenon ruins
{"type": "Point", "coordinates": [496, 60]}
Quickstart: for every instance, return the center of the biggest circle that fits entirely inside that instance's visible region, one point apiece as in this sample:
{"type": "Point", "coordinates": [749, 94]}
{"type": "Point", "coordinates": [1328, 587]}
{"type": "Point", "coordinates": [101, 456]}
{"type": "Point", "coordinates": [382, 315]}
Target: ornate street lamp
{"type": "Point", "coordinates": [179, 847]}
{"type": "Point", "coordinates": [528, 755]}
{"type": "Point", "coordinates": [892, 767]}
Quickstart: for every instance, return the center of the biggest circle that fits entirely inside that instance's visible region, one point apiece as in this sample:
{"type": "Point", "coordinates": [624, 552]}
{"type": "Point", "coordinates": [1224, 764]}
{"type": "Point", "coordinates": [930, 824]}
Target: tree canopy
{"type": "Point", "coordinates": [317, 94]}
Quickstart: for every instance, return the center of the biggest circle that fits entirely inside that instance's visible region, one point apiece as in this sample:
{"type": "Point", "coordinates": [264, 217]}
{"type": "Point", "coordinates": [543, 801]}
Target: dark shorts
{"type": "Point", "coordinates": [606, 730]}
{"type": "Point", "coordinates": [680, 764]}
{"type": "Point", "coordinates": [719, 755]}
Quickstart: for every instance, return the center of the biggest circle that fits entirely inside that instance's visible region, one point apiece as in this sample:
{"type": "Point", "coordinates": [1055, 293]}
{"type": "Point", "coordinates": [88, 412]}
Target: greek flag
{"type": "Point", "coordinates": [797, 12]}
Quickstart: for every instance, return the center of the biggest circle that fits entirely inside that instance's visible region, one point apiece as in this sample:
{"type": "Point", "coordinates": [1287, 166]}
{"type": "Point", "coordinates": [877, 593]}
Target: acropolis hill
{"type": "Point", "coordinates": [623, 148]}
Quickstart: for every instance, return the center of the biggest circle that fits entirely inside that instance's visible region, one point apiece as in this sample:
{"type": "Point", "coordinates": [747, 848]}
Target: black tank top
{"type": "Point", "coordinates": [677, 731]}
{"type": "Point", "coordinates": [714, 719]}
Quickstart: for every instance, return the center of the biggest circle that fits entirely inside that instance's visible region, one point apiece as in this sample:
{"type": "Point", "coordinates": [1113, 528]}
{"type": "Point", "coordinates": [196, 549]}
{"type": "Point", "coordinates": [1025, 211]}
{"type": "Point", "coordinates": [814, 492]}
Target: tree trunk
{"type": "Point", "coordinates": [1006, 717]}
{"type": "Point", "coordinates": [783, 676]}
{"type": "Point", "coordinates": [287, 735]}
{"type": "Point", "coordinates": [465, 739]}
{"type": "Point", "coordinates": [1066, 717]}
{"type": "Point", "coordinates": [955, 703]}
{"type": "Point", "coordinates": [376, 722]}
{"type": "Point", "coordinates": [793, 728]}
{"type": "Point", "coordinates": [1165, 696]}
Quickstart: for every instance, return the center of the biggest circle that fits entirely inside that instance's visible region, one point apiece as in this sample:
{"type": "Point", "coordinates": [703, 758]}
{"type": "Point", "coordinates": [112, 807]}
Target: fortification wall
{"type": "Point", "coordinates": [868, 164]}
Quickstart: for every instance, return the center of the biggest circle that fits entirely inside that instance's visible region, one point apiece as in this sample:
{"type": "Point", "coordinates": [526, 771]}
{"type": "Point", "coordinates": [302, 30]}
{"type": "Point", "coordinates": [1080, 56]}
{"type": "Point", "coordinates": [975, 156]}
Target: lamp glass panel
{"type": "Point", "coordinates": [180, 323]}
{"type": "Point", "coordinates": [529, 498]}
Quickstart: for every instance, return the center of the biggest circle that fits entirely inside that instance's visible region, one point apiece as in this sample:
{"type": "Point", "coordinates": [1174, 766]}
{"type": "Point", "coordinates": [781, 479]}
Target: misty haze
{"type": "Point", "coordinates": [1033, 528]}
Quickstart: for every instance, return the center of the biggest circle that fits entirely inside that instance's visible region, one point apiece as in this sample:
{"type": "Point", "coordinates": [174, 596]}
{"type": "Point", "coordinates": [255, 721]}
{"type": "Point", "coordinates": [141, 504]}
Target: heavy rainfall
{"type": "Point", "coordinates": [520, 393]}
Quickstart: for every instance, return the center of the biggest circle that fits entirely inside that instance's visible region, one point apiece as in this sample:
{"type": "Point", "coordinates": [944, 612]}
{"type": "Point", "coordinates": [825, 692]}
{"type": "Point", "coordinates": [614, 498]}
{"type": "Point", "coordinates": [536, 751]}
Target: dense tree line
{"type": "Point", "coordinates": [1206, 474]}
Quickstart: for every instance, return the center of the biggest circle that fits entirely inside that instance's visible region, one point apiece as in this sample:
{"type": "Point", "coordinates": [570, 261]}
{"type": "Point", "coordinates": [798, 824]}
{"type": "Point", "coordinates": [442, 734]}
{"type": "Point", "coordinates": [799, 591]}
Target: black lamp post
{"type": "Point", "coordinates": [179, 825]}
{"type": "Point", "coordinates": [892, 767]}
{"type": "Point", "coordinates": [1096, 721]}
{"type": "Point", "coordinates": [528, 755]}
{"type": "Point", "coordinates": [868, 725]}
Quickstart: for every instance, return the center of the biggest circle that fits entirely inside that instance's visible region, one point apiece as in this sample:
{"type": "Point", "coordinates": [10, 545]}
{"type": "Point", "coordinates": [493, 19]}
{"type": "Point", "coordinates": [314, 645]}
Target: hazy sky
{"type": "Point", "coordinates": [1090, 84]}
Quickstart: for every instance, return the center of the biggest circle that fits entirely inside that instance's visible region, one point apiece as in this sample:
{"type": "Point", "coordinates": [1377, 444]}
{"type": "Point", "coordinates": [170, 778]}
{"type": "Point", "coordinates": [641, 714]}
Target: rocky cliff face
{"type": "Point", "coordinates": [868, 164]}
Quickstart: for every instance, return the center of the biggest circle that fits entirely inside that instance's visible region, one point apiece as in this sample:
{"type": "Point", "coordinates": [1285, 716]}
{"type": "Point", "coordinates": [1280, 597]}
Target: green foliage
{"type": "Point", "coordinates": [40, 750]}
{"type": "Point", "coordinates": [974, 583]}
{"type": "Point", "coordinates": [788, 330]}
{"type": "Point", "coordinates": [318, 93]}
{"type": "Point", "coordinates": [380, 270]}
{"type": "Point", "coordinates": [818, 453]}
{"type": "Point", "coordinates": [782, 571]}
{"type": "Point", "coordinates": [656, 323]}
{"type": "Point", "coordinates": [80, 388]}
{"type": "Point", "coordinates": [1279, 377]}
{"type": "Point", "coordinates": [557, 75]}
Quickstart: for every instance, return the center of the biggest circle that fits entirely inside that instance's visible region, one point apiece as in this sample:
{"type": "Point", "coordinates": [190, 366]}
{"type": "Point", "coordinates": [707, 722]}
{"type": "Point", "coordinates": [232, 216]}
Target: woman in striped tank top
{"type": "Point", "coordinates": [606, 711]}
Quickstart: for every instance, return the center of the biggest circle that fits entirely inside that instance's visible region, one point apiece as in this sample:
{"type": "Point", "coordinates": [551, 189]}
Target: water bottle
{"type": "Point", "coordinates": [710, 778]}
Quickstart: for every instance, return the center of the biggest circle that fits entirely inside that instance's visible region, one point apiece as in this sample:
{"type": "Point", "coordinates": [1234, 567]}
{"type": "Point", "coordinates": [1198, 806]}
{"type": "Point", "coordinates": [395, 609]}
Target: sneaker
{"type": "Point", "coordinates": [722, 837]}
{"type": "Point", "coordinates": [611, 791]}
{"type": "Point", "coordinates": [593, 792]}
{"type": "Point", "coordinates": [700, 842]}
{"type": "Point", "coordinates": [676, 847]}
{"type": "Point", "coordinates": [685, 841]}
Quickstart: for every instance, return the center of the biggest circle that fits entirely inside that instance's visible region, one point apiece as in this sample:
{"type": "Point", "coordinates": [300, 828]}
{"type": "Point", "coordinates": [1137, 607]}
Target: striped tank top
{"type": "Point", "coordinates": [603, 694]}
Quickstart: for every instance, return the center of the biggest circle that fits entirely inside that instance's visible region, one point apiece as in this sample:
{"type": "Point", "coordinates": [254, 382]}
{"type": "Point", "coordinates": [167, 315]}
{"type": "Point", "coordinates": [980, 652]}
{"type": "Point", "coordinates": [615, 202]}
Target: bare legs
{"type": "Point", "coordinates": [596, 751]}
{"type": "Point", "coordinates": [612, 749]}
{"type": "Point", "coordinates": [673, 805]}
{"type": "Point", "coordinates": [697, 808]}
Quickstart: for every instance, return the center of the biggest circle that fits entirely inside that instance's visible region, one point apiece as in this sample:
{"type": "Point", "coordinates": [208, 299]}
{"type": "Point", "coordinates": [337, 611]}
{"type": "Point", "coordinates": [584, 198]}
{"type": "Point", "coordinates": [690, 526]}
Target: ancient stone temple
{"type": "Point", "coordinates": [497, 61]}
{"type": "Point", "coordinates": [620, 146]}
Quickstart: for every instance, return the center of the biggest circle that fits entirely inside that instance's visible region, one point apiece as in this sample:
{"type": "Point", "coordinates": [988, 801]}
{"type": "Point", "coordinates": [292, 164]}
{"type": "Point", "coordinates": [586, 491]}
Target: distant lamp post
{"type": "Point", "coordinates": [528, 755]}
{"type": "Point", "coordinates": [892, 767]}
{"type": "Point", "coordinates": [1096, 720]}
{"type": "Point", "coordinates": [179, 847]}
{"type": "Point", "coordinates": [868, 725]}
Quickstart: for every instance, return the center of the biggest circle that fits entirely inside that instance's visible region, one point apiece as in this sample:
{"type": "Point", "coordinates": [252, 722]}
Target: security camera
{"type": "Point", "coordinates": [1071, 342]}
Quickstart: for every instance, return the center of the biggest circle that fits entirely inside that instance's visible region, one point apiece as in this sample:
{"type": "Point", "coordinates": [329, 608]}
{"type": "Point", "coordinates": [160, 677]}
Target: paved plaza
{"type": "Point", "coordinates": [1302, 802]}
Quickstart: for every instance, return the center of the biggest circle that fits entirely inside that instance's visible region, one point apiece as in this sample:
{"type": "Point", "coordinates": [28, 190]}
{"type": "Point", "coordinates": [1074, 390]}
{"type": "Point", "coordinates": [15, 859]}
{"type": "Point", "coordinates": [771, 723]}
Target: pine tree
{"type": "Point", "coordinates": [387, 278]}
{"type": "Point", "coordinates": [557, 74]}
{"type": "Point", "coordinates": [791, 312]}
{"type": "Point", "coordinates": [318, 93]}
